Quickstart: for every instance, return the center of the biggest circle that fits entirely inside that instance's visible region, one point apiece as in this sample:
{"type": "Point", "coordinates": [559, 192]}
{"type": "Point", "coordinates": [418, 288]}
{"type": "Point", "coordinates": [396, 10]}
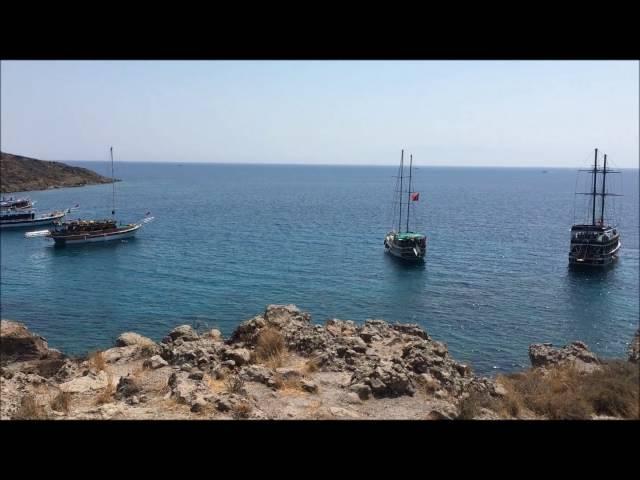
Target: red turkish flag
{"type": "Point", "coordinates": [415, 196]}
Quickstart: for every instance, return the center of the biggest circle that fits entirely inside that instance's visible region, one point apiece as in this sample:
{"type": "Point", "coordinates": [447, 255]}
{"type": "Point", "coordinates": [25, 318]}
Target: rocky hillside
{"type": "Point", "coordinates": [19, 174]}
{"type": "Point", "coordinates": [279, 365]}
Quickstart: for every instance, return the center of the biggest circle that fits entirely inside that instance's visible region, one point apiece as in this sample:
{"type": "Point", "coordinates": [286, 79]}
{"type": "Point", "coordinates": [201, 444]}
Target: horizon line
{"type": "Point", "coordinates": [331, 164]}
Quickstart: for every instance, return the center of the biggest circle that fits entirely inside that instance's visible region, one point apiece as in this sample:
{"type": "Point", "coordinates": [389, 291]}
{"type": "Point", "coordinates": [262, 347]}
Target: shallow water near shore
{"type": "Point", "coordinates": [230, 239]}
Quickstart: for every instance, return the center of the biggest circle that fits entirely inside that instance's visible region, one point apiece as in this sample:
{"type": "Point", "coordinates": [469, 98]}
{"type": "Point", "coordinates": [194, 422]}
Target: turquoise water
{"type": "Point", "coordinates": [227, 240]}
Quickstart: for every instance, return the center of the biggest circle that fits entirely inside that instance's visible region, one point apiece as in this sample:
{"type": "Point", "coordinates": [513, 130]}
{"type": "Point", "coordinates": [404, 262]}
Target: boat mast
{"type": "Point", "coordinates": [400, 196]}
{"type": "Point", "coordinates": [604, 176]}
{"type": "Point", "coordinates": [409, 192]}
{"type": "Point", "coordinates": [113, 182]}
{"type": "Point", "coordinates": [595, 176]}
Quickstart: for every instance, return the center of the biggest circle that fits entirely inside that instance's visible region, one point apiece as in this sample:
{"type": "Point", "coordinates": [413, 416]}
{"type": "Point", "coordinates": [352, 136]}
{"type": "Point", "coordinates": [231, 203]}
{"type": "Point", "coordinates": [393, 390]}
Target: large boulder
{"type": "Point", "coordinates": [577, 354]}
{"type": "Point", "coordinates": [131, 338]}
{"type": "Point", "coordinates": [186, 333]}
{"type": "Point", "coordinates": [18, 344]}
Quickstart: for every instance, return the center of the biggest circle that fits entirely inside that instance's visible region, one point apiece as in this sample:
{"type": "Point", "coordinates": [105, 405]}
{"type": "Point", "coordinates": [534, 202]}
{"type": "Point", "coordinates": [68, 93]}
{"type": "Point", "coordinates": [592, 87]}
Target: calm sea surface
{"type": "Point", "coordinates": [230, 239]}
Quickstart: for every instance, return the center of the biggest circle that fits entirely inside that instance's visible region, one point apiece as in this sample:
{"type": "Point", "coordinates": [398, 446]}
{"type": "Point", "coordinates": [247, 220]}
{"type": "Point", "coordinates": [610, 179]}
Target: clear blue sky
{"type": "Point", "coordinates": [507, 113]}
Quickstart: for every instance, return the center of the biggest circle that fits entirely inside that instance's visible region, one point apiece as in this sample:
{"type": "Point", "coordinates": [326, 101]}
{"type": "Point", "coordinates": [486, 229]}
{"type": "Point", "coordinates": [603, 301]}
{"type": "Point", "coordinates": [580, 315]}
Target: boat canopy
{"type": "Point", "coordinates": [409, 236]}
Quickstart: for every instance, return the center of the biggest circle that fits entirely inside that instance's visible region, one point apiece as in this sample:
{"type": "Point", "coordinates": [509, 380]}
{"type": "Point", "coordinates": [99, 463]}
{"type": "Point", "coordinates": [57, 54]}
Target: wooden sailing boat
{"type": "Point", "coordinates": [406, 245]}
{"type": "Point", "coordinates": [89, 231]}
{"type": "Point", "coordinates": [595, 244]}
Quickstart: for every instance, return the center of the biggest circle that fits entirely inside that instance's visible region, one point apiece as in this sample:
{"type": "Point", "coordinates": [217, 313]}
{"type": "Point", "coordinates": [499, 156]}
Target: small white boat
{"type": "Point", "coordinates": [27, 218]}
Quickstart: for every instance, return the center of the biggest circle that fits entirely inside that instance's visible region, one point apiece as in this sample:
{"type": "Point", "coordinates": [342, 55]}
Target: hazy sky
{"type": "Point", "coordinates": [506, 113]}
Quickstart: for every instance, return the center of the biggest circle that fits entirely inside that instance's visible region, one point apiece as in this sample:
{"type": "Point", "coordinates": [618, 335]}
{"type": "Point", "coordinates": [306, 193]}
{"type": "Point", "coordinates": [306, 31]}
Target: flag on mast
{"type": "Point", "coordinates": [415, 196]}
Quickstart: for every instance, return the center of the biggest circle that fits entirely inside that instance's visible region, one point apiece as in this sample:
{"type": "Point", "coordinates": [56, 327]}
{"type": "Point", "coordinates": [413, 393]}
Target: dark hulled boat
{"type": "Point", "coordinates": [596, 244]}
{"type": "Point", "coordinates": [89, 231]}
{"type": "Point", "coordinates": [406, 245]}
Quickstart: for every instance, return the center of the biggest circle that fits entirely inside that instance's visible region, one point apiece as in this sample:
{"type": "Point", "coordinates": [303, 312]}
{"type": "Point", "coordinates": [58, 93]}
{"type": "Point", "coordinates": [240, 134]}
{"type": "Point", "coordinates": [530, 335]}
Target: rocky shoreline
{"type": "Point", "coordinates": [279, 365]}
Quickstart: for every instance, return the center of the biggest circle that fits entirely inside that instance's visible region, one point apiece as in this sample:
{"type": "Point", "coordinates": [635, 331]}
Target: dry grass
{"type": "Point", "coordinates": [564, 393]}
{"type": "Point", "coordinates": [61, 402]}
{"type": "Point", "coordinates": [234, 384]}
{"type": "Point", "coordinates": [147, 351]}
{"type": "Point", "coordinates": [106, 396]}
{"type": "Point", "coordinates": [97, 361]}
{"type": "Point", "coordinates": [271, 348]}
{"type": "Point", "coordinates": [30, 409]}
{"type": "Point", "coordinates": [242, 410]}
{"type": "Point", "coordinates": [310, 366]}
{"type": "Point", "coordinates": [470, 407]}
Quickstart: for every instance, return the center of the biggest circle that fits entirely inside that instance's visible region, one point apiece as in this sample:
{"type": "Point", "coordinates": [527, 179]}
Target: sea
{"type": "Point", "coordinates": [227, 240]}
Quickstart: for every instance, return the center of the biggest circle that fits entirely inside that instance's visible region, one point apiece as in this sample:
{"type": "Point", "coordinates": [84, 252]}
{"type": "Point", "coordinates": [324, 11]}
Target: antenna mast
{"type": "Point", "coordinates": [409, 192]}
{"type": "Point", "coordinates": [400, 196]}
{"type": "Point", "coordinates": [113, 182]}
{"type": "Point", "coordinates": [595, 176]}
{"type": "Point", "coordinates": [604, 177]}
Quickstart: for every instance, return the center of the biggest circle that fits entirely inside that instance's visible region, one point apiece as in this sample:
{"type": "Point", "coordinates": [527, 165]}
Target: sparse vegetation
{"type": "Point", "coordinates": [234, 384]}
{"type": "Point", "coordinates": [106, 396]}
{"type": "Point", "coordinates": [271, 348]}
{"type": "Point", "coordinates": [311, 365]}
{"type": "Point", "coordinates": [565, 393]}
{"type": "Point", "coordinates": [470, 407]}
{"type": "Point", "coordinates": [61, 402]}
{"type": "Point", "coordinates": [30, 409]}
{"type": "Point", "coordinates": [242, 410]}
{"type": "Point", "coordinates": [97, 361]}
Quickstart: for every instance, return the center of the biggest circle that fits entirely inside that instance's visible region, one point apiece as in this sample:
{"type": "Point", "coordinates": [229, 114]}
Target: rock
{"type": "Point", "coordinates": [577, 354]}
{"type": "Point", "coordinates": [280, 315]}
{"type": "Point", "coordinates": [186, 367]}
{"type": "Point", "coordinates": [438, 415]}
{"type": "Point", "coordinates": [86, 383]}
{"type": "Point", "coordinates": [228, 363]}
{"type": "Point", "coordinates": [386, 379]}
{"type": "Point", "coordinates": [256, 373]}
{"type": "Point", "coordinates": [224, 404]}
{"type": "Point", "coordinates": [634, 348]}
{"type": "Point", "coordinates": [240, 356]}
{"type": "Point", "coordinates": [340, 412]}
{"type": "Point", "coordinates": [116, 354]}
{"type": "Point", "coordinates": [186, 333]}
{"type": "Point", "coordinates": [288, 373]}
{"type": "Point", "coordinates": [155, 362]}
{"type": "Point", "coordinates": [353, 398]}
{"type": "Point", "coordinates": [199, 404]}
{"type": "Point", "coordinates": [196, 376]}
{"type": "Point", "coordinates": [363, 391]}
{"type": "Point", "coordinates": [308, 386]}
{"type": "Point", "coordinates": [215, 334]}
{"type": "Point", "coordinates": [18, 344]}
{"type": "Point", "coordinates": [131, 338]}
{"type": "Point", "coordinates": [410, 329]}
{"type": "Point", "coordinates": [127, 387]}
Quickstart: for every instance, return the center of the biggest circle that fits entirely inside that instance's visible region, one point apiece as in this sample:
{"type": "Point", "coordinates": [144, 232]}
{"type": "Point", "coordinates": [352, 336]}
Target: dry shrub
{"type": "Point", "coordinates": [234, 384]}
{"type": "Point", "coordinates": [242, 410]}
{"type": "Point", "coordinates": [564, 393]}
{"type": "Point", "coordinates": [29, 409]}
{"type": "Point", "coordinates": [97, 361]}
{"type": "Point", "coordinates": [106, 396]}
{"type": "Point", "coordinates": [147, 351]}
{"type": "Point", "coordinates": [61, 402]}
{"type": "Point", "coordinates": [270, 348]}
{"type": "Point", "coordinates": [310, 366]}
{"type": "Point", "coordinates": [469, 407]}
